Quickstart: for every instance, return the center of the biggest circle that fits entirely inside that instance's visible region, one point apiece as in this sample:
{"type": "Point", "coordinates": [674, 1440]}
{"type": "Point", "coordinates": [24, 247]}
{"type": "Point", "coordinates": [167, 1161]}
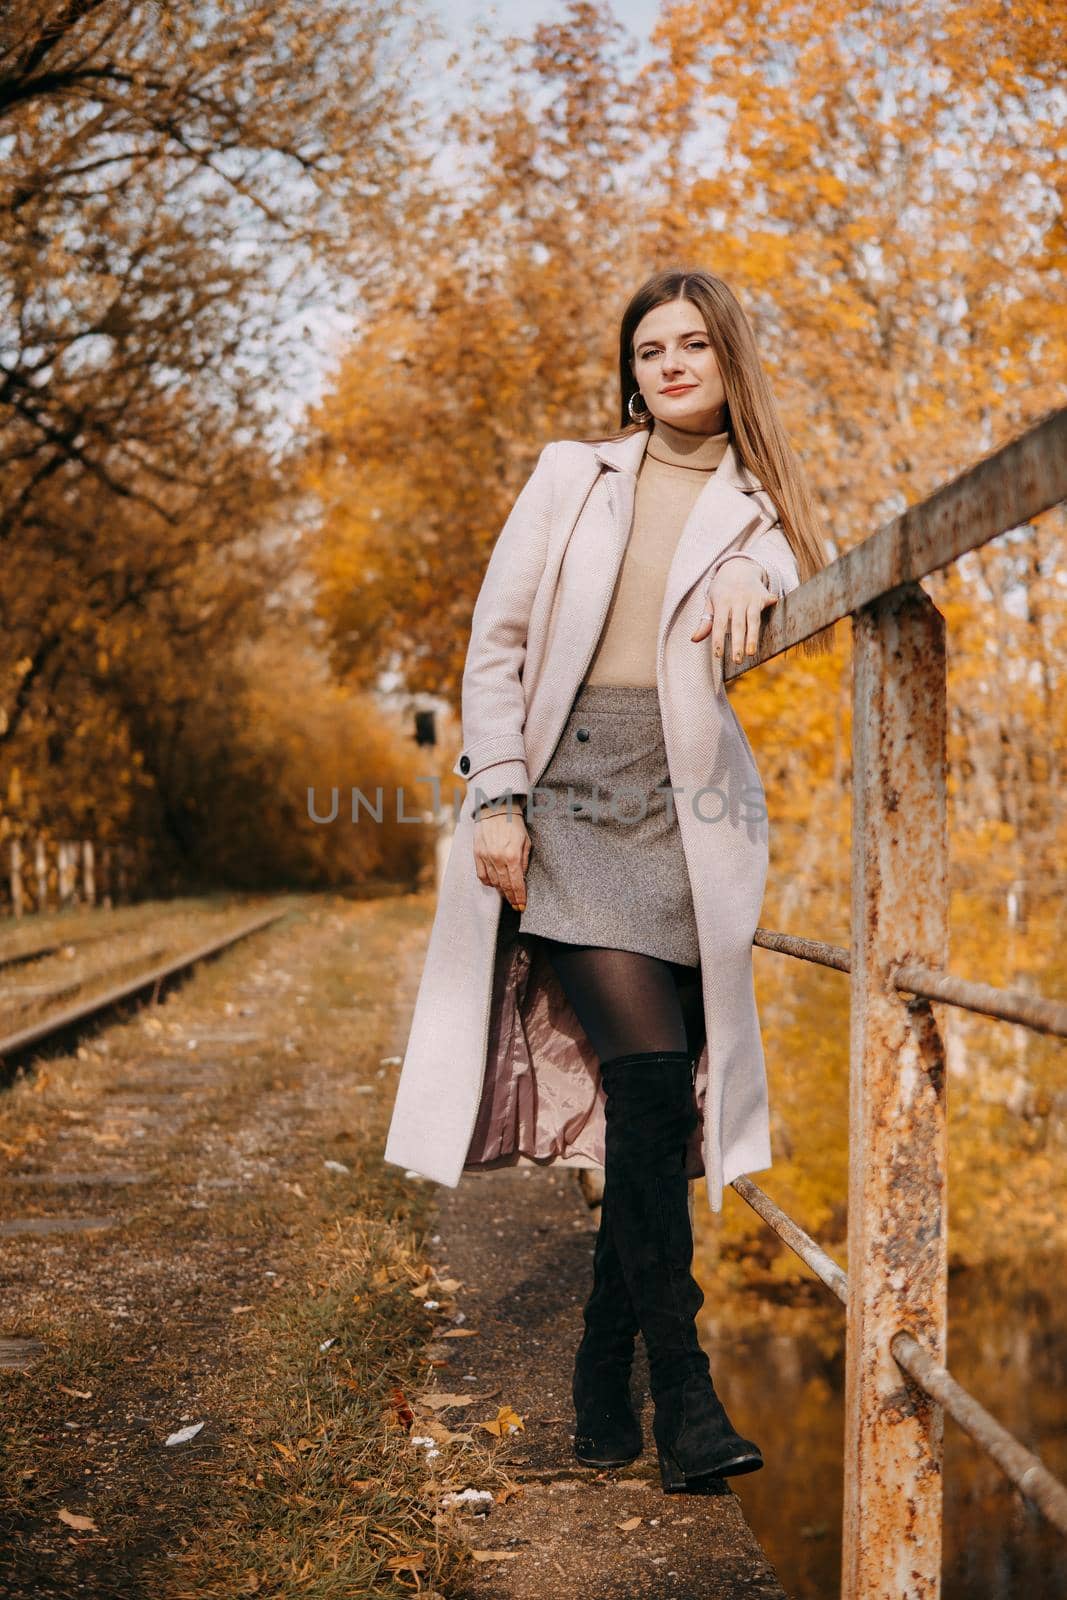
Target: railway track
{"type": "Point", "coordinates": [81, 933]}
{"type": "Point", "coordinates": [56, 1026]}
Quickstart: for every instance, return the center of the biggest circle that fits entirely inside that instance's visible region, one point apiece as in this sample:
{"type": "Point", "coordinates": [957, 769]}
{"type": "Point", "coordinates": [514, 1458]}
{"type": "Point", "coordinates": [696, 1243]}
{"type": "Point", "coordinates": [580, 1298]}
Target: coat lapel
{"type": "Point", "coordinates": [723, 510]}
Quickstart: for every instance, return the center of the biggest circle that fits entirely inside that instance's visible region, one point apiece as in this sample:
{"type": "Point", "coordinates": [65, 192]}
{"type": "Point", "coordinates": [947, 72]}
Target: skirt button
{"type": "Point", "coordinates": [582, 734]}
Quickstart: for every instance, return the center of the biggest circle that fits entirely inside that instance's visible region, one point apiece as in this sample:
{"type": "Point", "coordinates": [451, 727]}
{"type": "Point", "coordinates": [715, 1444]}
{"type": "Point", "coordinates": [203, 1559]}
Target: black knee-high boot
{"type": "Point", "coordinates": [608, 1429]}
{"type": "Point", "coordinates": [650, 1112]}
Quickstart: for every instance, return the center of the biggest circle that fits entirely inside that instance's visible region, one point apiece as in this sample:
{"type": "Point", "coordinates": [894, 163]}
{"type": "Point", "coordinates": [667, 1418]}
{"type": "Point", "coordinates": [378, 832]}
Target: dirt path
{"type": "Point", "coordinates": [522, 1244]}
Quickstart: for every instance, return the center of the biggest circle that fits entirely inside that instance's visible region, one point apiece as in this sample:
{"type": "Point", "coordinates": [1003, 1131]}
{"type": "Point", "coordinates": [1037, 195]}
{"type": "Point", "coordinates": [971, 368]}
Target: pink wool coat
{"type": "Point", "coordinates": [498, 1071]}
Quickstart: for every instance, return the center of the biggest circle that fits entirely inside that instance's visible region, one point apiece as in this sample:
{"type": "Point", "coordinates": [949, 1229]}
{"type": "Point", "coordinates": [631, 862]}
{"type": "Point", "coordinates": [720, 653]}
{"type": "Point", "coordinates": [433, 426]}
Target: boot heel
{"type": "Point", "coordinates": [674, 1480]}
{"type": "Point", "coordinates": [671, 1475]}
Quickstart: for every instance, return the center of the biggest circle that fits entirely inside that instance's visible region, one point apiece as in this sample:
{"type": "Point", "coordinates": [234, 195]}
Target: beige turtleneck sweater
{"type": "Point", "coordinates": [675, 468]}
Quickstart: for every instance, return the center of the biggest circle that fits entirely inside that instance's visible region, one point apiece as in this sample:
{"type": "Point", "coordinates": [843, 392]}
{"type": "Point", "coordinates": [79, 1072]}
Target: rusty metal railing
{"type": "Point", "coordinates": [897, 1388]}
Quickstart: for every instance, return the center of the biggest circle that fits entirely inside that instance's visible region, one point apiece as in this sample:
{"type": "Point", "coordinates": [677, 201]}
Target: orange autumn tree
{"type": "Point", "coordinates": [885, 190]}
{"type": "Point", "coordinates": [181, 187]}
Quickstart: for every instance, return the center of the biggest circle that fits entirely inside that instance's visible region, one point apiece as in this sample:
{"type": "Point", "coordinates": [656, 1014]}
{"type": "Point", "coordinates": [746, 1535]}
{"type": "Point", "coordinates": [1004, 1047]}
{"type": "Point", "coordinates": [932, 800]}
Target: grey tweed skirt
{"type": "Point", "coordinates": [606, 861]}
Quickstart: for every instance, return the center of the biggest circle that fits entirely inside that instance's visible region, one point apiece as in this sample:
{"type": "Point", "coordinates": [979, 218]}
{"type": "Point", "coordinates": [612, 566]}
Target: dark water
{"type": "Point", "coordinates": [1007, 1344]}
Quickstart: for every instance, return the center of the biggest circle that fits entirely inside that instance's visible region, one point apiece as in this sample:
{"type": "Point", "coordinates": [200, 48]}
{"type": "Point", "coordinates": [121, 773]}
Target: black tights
{"type": "Point", "coordinates": [627, 1002]}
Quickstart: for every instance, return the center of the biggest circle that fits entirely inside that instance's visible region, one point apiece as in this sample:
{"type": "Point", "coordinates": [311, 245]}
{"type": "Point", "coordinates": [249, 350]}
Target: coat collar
{"type": "Point", "coordinates": [626, 455]}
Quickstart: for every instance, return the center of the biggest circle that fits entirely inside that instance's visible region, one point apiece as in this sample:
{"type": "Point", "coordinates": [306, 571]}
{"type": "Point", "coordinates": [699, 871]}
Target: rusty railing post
{"type": "Point", "coordinates": [897, 1206]}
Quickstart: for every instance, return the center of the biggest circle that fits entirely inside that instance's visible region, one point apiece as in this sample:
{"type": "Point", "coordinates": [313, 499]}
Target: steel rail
{"type": "Point", "coordinates": [16, 1043]}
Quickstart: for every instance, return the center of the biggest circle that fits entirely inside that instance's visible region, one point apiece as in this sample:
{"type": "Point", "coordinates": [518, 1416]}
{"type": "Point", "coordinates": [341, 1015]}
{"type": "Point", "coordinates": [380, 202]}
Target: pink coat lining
{"type": "Point", "coordinates": [541, 1097]}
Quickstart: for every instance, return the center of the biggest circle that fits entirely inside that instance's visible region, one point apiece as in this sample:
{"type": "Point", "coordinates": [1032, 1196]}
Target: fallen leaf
{"type": "Point", "coordinates": [401, 1407]}
{"type": "Point", "coordinates": [73, 1520]}
{"type": "Point", "coordinates": [283, 1449]}
{"type": "Point", "coordinates": [79, 1394]}
{"type": "Point", "coordinates": [508, 1492]}
{"type": "Point", "coordinates": [457, 1333]}
{"type": "Point", "coordinates": [442, 1434]}
{"type": "Point", "coordinates": [436, 1286]}
{"type": "Point", "coordinates": [629, 1525]}
{"type": "Point", "coordinates": [505, 1421]}
{"type": "Point", "coordinates": [495, 1555]}
{"type": "Point", "coordinates": [437, 1401]}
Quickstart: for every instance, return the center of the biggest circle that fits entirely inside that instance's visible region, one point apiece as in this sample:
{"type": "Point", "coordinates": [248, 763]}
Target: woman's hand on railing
{"type": "Point", "coordinates": [736, 599]}
{"type": "Point", "coordinates": [501, 853]}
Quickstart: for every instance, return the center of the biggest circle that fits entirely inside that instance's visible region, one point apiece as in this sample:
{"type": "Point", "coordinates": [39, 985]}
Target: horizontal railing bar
{"type": "Point", "coordinates": [1009, 1005]}
{"type": "Point", "coordinates": [787, 944]}
{"type": "Point", "coordinates": [824, 1266]}
{"type": "Point", "coordinates": [1024, 478]}
{"type": "Point", "coordinates": [1026, 1470]}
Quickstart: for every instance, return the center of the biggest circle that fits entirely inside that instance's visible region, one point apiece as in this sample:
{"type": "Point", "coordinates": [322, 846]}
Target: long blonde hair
{"type": "Point", "coordinates": [756, 432]}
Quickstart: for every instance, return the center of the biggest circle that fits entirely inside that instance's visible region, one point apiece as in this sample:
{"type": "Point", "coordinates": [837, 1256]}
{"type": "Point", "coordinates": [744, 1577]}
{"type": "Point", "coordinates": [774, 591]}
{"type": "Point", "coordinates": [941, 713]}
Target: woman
{"type": "Point", "coordinates": [616, 825]}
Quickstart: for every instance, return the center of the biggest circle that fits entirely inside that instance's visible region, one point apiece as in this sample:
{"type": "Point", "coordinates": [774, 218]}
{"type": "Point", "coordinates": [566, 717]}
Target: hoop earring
{"type": "Point", "coordinates": [636, 416]}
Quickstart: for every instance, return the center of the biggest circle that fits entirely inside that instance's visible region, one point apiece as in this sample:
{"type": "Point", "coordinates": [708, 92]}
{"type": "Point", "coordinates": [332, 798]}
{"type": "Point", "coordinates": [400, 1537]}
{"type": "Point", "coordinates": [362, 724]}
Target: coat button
{"type": "Point", "coordinates": [464, 763]}
{"type": "Point", "coordinates": [582, 734]}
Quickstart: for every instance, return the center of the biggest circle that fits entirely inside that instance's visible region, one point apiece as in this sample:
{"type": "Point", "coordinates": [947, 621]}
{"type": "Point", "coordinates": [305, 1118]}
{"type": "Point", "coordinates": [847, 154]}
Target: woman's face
{"type": "Point", "coordinates": [676, 369]}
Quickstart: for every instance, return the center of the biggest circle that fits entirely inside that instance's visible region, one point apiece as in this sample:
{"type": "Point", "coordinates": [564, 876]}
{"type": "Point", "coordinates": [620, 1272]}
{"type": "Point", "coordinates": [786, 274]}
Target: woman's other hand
{"type": "Point", "coordinates": [501, 853]}
{"type": "Point", "coordinates": [735, 599]}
